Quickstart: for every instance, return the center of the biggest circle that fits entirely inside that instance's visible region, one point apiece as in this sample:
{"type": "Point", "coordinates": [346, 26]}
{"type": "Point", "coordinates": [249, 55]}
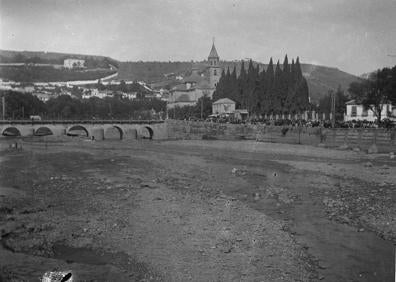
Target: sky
{"type": "Point", "coordinates": [356, 36]}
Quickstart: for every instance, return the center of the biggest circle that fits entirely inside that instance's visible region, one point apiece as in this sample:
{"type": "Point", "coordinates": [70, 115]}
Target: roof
{"type": "Point", "coordinates": [182, 87]}
{"type": "Point", "coordinates": [184, 98]}
{"type": "Point", "coordinates": [351, 102]}
{"type": "Point", "coordinates": [194, 77]}
{"type": "Point", "coordinates": [213, 52]}
{"type": "Point", "coordinates": [241, 111]}
{"type": "Point", "coordinates": [204, 85]}
{"type": "Point", "coordinates": [224, 101]}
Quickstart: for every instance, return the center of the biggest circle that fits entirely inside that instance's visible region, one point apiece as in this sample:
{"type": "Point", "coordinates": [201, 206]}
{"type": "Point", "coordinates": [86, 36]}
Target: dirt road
{"type": "Point", "coordinates": [196, 211]}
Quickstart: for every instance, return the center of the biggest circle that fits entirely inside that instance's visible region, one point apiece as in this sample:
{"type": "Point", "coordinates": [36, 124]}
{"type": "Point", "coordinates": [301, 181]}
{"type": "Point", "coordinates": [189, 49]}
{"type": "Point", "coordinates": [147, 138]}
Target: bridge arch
{"type": "Point", "coordinates": [11, 131]}
{"type": "Point", "coordinates": [43, 131]}
{"type": "Point", "coordinates": [76, 128]}
{"type": "Point", "coordinates": [146, 132]}
{"type": "Point", "coordinates": [118, 128]}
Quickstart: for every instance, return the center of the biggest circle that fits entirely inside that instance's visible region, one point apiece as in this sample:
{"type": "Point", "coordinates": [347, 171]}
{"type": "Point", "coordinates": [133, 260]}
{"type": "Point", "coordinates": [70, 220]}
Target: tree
{"type": "Point", "coordinates": [233, 85]}
{"type": "Point", "coordinates": [123, 87]}
{"type": "Point", "coordinates": [22, 105]}
{"type": "Point", "coordinates": [278, 80]}
{"type": "Point", "coordinates": [250, 88]}
{"type": "Point", "coordinates": [261, 89]}
{"type": "Point", "coordinates": [241, 99]}
{"type": "Point", "coordinates": [340, 100]}
{"type": "Point", "coordinates": [204, 106]}
{"type": "Point", "coordinates": [374, 92]}
{"type": "Point", "coordinates": [269, 85]}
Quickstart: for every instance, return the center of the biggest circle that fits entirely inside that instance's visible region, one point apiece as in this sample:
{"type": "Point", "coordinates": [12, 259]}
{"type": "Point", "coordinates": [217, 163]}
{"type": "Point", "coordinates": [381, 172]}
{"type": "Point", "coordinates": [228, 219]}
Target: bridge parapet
{"type": "Point", "coordinates": [111, 121]}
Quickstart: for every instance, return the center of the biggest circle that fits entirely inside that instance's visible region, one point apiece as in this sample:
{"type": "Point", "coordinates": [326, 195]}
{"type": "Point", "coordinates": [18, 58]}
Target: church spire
{"type": "Point", "coordinates": [213, 53]}
{"type": "Point", "coordinates": [214, 66]}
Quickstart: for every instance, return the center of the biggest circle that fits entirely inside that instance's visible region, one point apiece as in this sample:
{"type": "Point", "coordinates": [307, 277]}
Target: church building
{"type": "Point", "coordinates": [197, 84]}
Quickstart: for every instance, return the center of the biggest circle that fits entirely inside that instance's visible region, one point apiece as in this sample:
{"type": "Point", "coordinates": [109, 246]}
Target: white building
{"type": "Point", "coordinates": [94, 93]}
{"type": "Point", "coordinates": [44, 96]}
{"type": "Point", "coordinates": [355, 111]}
{"type": "Point", "coordinates": [130, 96]}
{"type": "Point", "coordinates": [223, 106]}
{"type": "Point", "coordinates": [73, 63]}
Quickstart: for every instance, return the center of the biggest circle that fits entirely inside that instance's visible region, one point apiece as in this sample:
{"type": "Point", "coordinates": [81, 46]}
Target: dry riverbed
{"type": "Point", "coordinates": [195, 211]}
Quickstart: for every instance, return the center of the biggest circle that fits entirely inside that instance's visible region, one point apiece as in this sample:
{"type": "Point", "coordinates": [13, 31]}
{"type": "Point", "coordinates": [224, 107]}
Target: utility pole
{"type": "Point", "coordinates": [333, 109]}
{"type": "Point", "coordinates": [4, 106]}
{"type": "Point", "coordinates": [202, 107]}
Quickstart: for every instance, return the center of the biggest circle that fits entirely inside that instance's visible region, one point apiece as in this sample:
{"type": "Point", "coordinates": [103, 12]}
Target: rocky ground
{"type": "Point", "coordinates": [195, 211]}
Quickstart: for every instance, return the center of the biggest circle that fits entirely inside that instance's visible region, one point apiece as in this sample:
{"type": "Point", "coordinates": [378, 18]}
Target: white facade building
{"type": "Point", "coordinates": [73, 63]}
{"type": "Point", "coordinates": [355, 111]}
{"type": "Point", "coordinates": [223, 106]}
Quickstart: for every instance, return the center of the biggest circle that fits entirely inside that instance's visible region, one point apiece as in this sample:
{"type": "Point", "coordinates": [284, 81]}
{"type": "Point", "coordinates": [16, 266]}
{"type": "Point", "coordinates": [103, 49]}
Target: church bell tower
{"type": "Point", "coordinates": [214, 67]}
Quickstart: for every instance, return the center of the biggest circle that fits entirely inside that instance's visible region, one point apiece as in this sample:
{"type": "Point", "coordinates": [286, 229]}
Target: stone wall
{"type": "Point", "coordinates": [361, 138]}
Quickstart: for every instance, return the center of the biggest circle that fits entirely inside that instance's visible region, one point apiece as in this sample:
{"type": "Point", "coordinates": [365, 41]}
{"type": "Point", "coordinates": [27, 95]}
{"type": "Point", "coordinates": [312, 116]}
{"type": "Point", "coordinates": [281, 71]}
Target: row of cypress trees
{"type": "Point", "coordinates": [276, 90]}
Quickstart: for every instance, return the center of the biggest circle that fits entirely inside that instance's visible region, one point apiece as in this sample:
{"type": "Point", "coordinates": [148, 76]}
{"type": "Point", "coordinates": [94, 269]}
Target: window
{"type": "Point", "coordinates": [354, 111]}
{"type": "Point", "coordinates": [214, 72]}
{"type": "Point", "coordinates": [364, 112]}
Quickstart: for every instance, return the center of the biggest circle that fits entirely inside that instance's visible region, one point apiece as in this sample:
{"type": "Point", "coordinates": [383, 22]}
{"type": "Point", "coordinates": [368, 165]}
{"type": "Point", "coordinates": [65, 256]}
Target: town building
{"type": "Point", "coordinates": [214, 67]}
{"type": "Point", "coordinates": [223, 106]}
{"type": "Point", "coordinates": [73, 63]}
{"type": "Point", "coordinates": [198, 84]}
{"type": "Point", "coordinates": [356, 111]}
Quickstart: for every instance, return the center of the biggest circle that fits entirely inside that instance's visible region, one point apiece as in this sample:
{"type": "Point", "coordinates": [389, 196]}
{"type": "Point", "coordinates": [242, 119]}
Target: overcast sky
{"type": "Point", "coordinates": [353, 35]}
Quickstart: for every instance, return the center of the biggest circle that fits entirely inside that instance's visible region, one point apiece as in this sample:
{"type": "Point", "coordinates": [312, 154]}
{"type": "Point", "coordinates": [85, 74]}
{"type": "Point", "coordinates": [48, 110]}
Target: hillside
{"type": "Point", "coordinates": [320, 79]}
{"type": "Point", "coordinates": [151, 71]}
{"type": "Point", "coordinates": [39, 57]}
{"type": "Point", "coordinates": [31, 74]}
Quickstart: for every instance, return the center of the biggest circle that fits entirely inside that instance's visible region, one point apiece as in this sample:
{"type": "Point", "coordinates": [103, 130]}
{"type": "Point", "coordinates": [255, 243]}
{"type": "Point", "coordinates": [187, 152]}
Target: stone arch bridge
{"type": "Point", "coordinates": [95, 129]}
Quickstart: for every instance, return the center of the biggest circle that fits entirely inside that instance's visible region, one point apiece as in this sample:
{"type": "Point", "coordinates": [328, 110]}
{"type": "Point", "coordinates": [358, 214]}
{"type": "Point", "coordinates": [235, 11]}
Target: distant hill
{"type": "Point", "coordinates": [31, 74]}
{"type": "Point", "coordinates": [39, 57]}
{"type": "Point", "coordinates": [151, 71]}
{"type": "Point", "coordinates": [320, 79]}
{"type": "Point", "coordinates": [30, 66]}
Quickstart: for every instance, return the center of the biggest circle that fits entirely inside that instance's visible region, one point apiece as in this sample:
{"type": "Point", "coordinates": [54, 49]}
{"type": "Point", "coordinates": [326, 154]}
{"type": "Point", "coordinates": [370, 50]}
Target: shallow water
{"type": "Point", "coordinates": [343, 253]}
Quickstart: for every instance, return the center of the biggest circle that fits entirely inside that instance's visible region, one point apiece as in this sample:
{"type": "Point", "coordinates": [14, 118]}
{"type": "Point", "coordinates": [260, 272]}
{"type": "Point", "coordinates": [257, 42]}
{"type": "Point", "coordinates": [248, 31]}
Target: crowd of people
{"type": "Point", "coordinates": [385, 123]}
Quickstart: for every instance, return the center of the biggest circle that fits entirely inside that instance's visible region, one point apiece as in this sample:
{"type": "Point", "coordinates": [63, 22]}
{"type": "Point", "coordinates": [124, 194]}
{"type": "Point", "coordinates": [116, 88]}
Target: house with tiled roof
{"type": "Point", "coordinates": [356, 111]}
{"type": "Point", "coordinates": [223, 106]}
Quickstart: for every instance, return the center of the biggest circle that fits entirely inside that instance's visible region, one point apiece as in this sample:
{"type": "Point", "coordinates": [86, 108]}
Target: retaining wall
{"type": "Point", "coordinates": [361, 138]}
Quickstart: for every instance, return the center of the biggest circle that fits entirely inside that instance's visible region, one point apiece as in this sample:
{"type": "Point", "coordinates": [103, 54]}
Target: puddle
{"type": "Point", "coordinates": [121, 265]}
{"type": "Point", "coordinates": [10, 192]}
{"type": "Point", "coordinates": [88, 256]}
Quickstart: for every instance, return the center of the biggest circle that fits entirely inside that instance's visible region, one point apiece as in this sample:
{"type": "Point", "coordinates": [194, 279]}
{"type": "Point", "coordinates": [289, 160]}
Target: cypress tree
{"type": "Point", "coordinates": [284, 85]}
{"type": "Point", "coordinates": [268, 86]}
{"type": "Point", "coordinates": [278, 80]}
{"type": "Point", "coordinates": [261, 92]}
{"type": "Point", "coordinates": [291, 91]}
{"type": "Point", "coordinates": [219, 91]}
{"type": "Point", "coordinates": [286, 67]}
{"type": "Point", "coordinates": [242, 86]}
{"type": "Point", "coordinates": [302, 91]}
{"type": "Point", "coordinates": [250, 99]}
{"type": "Point", "coordinates": [298, 69]}
{"type": "Point", "coordinates": [227, 86]}
{"type": "Point", "coordinates": [234, 85]}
